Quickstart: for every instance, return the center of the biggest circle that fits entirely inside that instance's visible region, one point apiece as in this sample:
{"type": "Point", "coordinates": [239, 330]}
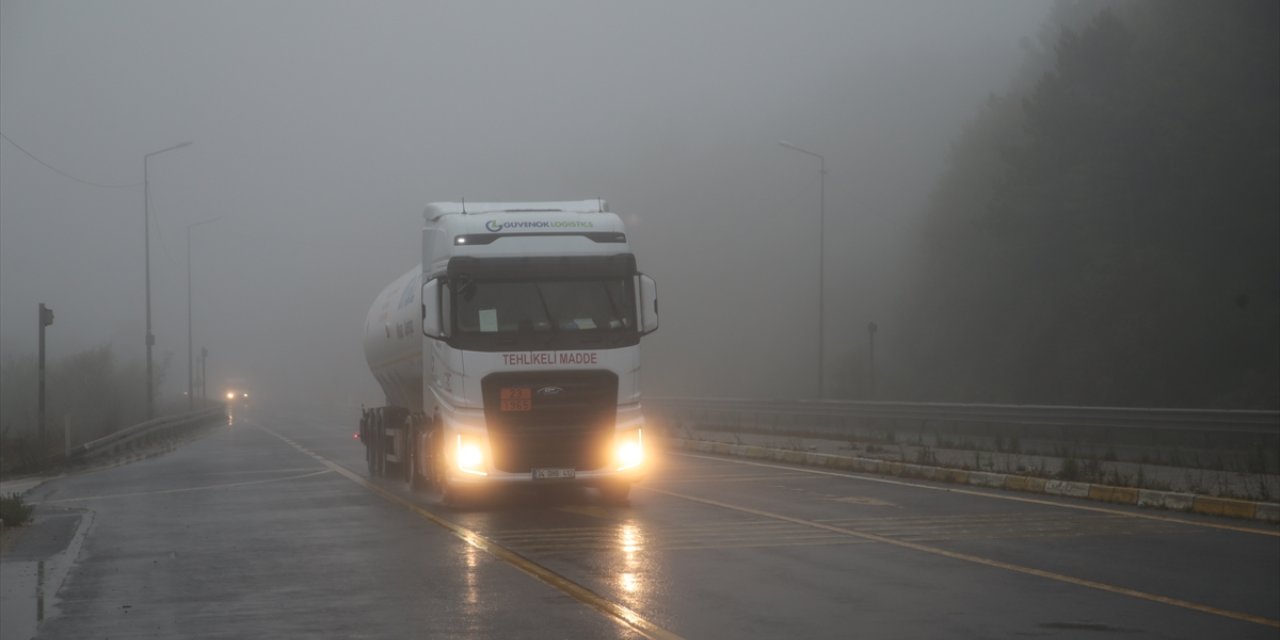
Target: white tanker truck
{"type": "Point", "coordinates": [511, 354]}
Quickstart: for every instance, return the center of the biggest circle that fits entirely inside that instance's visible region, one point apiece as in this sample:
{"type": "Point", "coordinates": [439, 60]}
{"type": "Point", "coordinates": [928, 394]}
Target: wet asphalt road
{"type": "Point", "coordinates": [268, 528]}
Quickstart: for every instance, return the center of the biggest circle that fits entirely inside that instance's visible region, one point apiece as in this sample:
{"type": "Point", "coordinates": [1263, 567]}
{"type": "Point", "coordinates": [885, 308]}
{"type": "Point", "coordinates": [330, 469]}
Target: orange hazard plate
{"type": "Point", "coordinates": [517, 399]}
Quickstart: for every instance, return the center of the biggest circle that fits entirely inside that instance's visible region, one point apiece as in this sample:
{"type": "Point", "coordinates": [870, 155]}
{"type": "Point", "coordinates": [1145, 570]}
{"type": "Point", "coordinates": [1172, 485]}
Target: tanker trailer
{"type": "Point", "coordinates": [510, 356]}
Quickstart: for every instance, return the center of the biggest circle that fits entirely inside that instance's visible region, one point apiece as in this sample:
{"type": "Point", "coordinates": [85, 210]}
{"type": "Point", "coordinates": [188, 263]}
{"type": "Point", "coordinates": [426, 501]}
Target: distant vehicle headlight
{"type": "Point", "coordinates": [231, 395]}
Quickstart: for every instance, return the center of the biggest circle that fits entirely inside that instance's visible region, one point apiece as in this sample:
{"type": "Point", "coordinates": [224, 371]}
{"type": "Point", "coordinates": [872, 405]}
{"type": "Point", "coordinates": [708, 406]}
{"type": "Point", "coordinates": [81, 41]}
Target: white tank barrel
{"type": "Point", "coordinates": [393, 340]}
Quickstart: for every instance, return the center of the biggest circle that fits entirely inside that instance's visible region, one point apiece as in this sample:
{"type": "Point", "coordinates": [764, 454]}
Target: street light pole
{"type": "Point", "coordinates": [191, 384]}
{"type": "Point", "coordinates": [871, 356]}
{"type": "Point", "coordinates": [204, 357]}
{"type": "Point", "coordinates": [46, 319]}
{"type": "Point", "coordinates": [146, 249]}
{"type": "Point", "coordinates": [822, 220]}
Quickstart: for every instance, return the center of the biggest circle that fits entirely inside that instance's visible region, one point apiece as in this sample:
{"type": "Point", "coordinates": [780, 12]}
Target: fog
{"type": "Point", "coordinates": [320, 130]}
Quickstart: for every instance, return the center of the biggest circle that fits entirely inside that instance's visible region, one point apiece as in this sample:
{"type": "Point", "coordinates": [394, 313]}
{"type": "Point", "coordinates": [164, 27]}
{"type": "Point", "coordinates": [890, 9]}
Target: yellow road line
{"type": "Point", "coordinates": [731, 526]}
{"type": "Point", "coordinates": [662, 542]}
{"type": "Point", "coordinates": [714, 545]}
{"type": "Point", "coordinates": [187, 489]}
{"type": "Point", "coordinates": [765, 545]}
{"type": "Point", "coordinates": [997, 496]}
{"type": "Point", "coordinates": [737, 477]}
{"type": "Point", "coordinates": [1009, 566]}
{"type": "Point", "coordinates": [613, 538]}
{"type": "Point", "coordinates": [619, 613]}
{"type": "Point", "coordinates": [255, 472]}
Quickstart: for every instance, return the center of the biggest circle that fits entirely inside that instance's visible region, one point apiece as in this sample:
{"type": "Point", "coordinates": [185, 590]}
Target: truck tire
{"type": "Point", "coordinates": [431, 448]}
{"type": "Point", "coordinates": [379, 444]}
{"type": "Point", "coordinates": [366, 439]}
{"type": "Point", "coordinates": [450, 495]}
{"type": "Point", "coordinates": [415, 457]}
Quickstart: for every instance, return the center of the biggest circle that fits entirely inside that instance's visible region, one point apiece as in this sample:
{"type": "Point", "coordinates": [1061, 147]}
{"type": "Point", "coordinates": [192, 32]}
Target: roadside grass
{"type": "Point", "coordinates": [13, 511]}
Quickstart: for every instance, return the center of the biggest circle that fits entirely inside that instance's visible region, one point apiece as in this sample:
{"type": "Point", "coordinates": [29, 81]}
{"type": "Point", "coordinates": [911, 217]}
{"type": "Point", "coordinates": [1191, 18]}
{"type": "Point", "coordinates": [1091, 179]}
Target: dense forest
{"type": "Point", "coordinates": [1108, 231]}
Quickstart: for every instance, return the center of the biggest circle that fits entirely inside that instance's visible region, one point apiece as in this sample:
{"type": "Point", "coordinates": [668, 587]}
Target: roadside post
{"type": "Point", "coordinates": [46, 319]}
{"type": "Point", "coordinates": [871, 356]}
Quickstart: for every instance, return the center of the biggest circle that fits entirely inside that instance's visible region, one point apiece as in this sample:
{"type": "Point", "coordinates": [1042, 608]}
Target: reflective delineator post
{"type": "Point", "coordinates": [871, 356]}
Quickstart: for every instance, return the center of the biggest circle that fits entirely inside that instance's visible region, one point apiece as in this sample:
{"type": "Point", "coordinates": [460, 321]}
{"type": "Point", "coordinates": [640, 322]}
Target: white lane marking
{"type": "Point", "coordinates": [186, 489]}
{"type": "Point", "coordinates": [624, 616]}
{"type": "Point", "coordinates": [984, 494]}
{"type": "Point", "coordinates": [989, 562]}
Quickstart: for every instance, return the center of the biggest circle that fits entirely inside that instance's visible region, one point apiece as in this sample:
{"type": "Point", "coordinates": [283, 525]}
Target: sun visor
{"type": "Point", "coordinates": [621, 265]}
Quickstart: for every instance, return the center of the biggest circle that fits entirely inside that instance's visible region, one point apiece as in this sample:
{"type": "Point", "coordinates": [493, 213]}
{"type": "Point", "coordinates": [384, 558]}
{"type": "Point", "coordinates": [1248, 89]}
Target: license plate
{"type": "Point", "coordinates": [553, 474]}
{"type": "Point", "coordinates": [517, 399]}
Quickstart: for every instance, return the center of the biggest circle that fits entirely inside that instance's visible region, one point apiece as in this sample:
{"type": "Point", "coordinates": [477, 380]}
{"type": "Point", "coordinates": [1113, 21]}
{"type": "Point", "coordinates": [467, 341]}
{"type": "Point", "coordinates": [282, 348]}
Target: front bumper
{"type": "Point", "coordinates": [591, 478]}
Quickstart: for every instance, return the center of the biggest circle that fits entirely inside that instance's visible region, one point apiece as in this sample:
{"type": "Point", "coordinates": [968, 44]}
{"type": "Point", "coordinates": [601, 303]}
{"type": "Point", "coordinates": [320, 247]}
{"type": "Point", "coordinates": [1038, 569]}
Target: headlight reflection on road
{"type": "Point", "coordinates": [630, 538]}
{"type": "Point", "coordinates": [473, 588]}
{"type": "Point", "coordinates": [631, 579]}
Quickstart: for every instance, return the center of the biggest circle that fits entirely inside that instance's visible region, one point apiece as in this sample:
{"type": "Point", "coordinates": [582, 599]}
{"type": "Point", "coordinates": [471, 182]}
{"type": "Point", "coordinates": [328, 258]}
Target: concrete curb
{"type": "Point", "coordinates": [24, 485]}
{"type": "Point", "coordinates": [1191, 503]}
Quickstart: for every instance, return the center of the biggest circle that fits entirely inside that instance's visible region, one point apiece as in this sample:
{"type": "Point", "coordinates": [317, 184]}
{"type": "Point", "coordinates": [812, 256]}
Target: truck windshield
{"type": "Point", "coordinates": [524, 312]}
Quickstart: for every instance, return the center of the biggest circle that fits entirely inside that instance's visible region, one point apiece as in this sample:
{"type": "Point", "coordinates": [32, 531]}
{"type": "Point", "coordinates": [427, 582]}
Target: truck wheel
{"type": "Point", "coordinates": [416, 459]}
{"type": "Point", "coordinates": [379, 444]}
{"type": "Point", "coordinates": [450, 495]}
{"type": "Point", "coordinates": [406, 456]}
{"type": "Point", "coordinates": [366, 440]}
{"type": "Point", "coordinates": [431, 455]}
{"type": "Point", "coordinates": [615, 492]}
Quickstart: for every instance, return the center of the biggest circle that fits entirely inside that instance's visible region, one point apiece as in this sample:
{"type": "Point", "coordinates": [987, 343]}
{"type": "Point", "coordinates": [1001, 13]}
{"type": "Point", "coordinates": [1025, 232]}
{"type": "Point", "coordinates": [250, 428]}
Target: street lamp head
{"type": "Point", "coordinates": [176, 146]}
{"type": "Point", "coordinates": [793, 147]}
{"type": "Point", "coordinates": [203, 222]}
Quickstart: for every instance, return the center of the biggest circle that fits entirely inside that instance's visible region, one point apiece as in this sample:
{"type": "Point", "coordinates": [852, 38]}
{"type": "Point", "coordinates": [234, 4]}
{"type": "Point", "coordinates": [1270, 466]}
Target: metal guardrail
{"type": "Point", "coordinates": [146, 431]}
{"type": "Point", "coordinates": [1198, 420]}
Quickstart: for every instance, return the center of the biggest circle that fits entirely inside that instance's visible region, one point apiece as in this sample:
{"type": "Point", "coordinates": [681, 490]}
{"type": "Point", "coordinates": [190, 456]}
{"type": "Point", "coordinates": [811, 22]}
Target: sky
{"type": "Point", "coordinates": [319, 131]}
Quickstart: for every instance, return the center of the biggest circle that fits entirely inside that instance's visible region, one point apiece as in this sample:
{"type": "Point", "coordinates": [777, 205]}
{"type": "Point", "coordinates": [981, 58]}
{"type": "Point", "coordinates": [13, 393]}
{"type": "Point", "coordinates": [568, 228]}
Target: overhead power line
{"type": "Point", "coordinates": [64, 173]}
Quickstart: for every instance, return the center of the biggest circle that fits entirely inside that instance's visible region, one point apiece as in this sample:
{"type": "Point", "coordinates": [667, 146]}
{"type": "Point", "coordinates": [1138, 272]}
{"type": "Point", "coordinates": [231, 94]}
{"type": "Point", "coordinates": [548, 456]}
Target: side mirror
{"type": "Point", "coordinates": [432, 322]}
{"type": "Point", "coordinates": [648, 305]}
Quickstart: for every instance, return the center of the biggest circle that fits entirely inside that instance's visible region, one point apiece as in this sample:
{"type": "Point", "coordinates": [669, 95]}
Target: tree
{"type": "Point", "coordinates": [1107, 234]}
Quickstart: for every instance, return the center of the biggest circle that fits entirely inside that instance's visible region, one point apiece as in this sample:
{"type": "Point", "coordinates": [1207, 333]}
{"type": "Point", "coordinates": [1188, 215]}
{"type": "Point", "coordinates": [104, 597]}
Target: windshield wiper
{"type": "Point", "coordinates": [613, 305]}
{"type": "Point", "coordinates": [555, 327]}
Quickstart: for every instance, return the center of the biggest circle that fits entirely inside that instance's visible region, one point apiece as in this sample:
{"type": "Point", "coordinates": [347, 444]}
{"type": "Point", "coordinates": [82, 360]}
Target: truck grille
{"type": "Point", "coordinates": [547, 419]}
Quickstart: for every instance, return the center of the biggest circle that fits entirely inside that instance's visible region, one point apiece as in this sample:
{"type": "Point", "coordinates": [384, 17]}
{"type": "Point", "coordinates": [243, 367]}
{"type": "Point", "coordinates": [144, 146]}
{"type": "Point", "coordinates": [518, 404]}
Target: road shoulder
{"type": "Point", "coordinates": [34, 562]}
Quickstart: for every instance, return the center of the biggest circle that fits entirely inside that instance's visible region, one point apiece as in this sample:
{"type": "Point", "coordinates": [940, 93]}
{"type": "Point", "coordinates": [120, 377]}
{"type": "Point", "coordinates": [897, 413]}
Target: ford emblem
{"type": "Point", "coordinates": [550, 391]}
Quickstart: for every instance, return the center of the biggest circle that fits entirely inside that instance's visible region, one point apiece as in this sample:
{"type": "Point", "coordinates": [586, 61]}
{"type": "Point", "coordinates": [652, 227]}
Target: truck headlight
{"type": "Point", "coordinates": [629, 450]}
{"type": "Point", "coordinates": [470, 456]}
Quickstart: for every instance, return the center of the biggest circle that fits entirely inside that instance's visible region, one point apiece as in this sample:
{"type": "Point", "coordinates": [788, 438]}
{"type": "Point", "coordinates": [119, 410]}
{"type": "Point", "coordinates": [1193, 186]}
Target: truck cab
{"type": "Point", "coordinates": [529, 321]}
